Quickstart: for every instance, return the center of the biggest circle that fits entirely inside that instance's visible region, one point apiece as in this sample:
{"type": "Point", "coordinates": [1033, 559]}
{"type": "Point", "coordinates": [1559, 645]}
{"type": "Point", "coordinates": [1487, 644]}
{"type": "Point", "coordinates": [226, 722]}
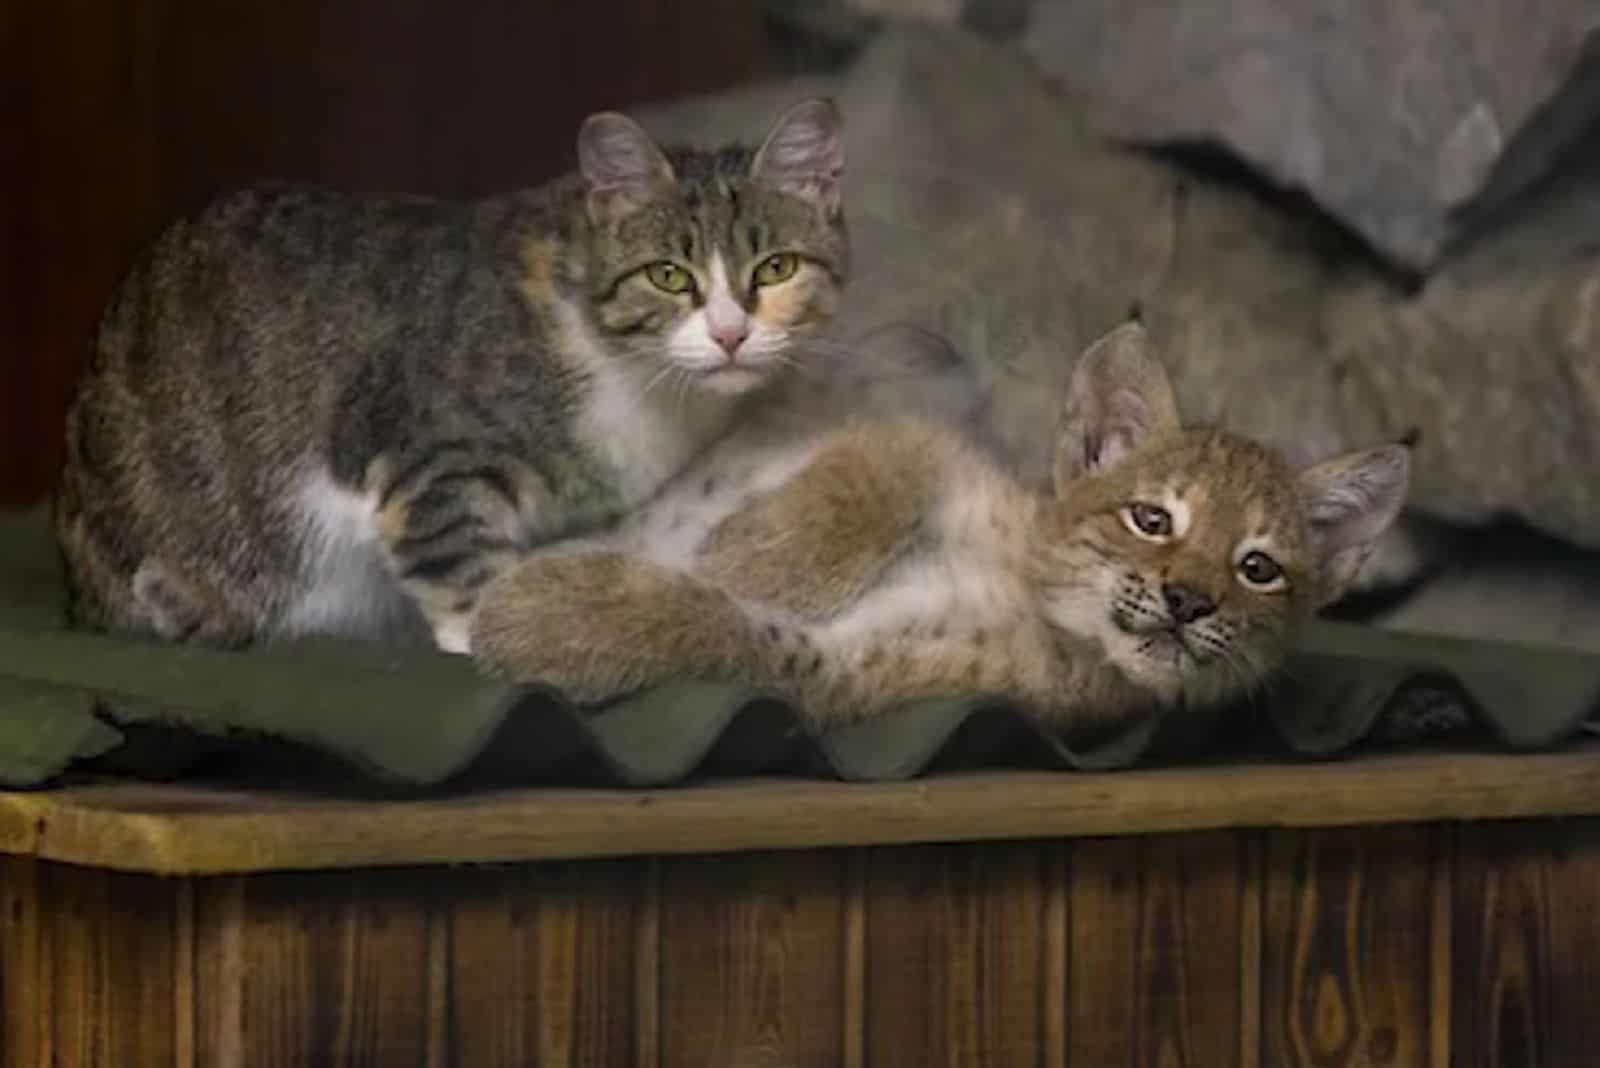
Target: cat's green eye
{"type": "Point", "coordinates": [1260, 570]}
{"type": "Point", "coordinates": [779, 267]}
{"type": "Point", "coordinates": [669, 277]}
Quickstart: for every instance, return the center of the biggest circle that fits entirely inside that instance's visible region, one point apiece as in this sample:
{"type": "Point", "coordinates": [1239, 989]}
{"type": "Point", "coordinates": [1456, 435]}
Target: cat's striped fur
{"type": "Point", "coordinates": [316, 412]}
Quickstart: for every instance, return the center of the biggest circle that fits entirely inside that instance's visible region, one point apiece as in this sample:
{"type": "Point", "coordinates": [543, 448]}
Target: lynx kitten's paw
{"type": "Point", "coordinates": [597, 625]}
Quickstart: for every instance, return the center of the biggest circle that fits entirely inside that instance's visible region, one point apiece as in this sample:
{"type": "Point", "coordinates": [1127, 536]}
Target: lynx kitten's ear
{"type": "Point", "coordinates": [1350, 501]}
{"type": "Point", "coordinates": [1118, 399]}
{"type": "Point", "coordinates": [621, 166]}
{"type": "Point", "coordinates": [804, 154]}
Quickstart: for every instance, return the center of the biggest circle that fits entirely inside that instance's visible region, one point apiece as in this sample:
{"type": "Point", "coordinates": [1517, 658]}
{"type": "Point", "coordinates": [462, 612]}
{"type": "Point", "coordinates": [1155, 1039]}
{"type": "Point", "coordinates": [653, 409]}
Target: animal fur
{"type": "Point", "coordinates": [892, 561]}
{"type": "Point", "coordinates": [315, 412]}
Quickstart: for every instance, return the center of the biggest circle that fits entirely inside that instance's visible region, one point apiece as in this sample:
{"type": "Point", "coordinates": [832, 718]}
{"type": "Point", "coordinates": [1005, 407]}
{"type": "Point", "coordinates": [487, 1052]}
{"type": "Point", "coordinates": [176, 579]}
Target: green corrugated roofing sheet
{"type": "Point", "coordinates": [404, 719]}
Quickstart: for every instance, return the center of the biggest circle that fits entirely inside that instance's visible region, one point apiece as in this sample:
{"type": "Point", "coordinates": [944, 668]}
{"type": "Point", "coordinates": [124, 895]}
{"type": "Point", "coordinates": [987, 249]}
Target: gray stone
{"type": "Point", "coordinates": [1020, 235]}
{"type": "Point", "coordinates": [1403, 118]}
{"type": "Point", "coordinates": [1394, 116]}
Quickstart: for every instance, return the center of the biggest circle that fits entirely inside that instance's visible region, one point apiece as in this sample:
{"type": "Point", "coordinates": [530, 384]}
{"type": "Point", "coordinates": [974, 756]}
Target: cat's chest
{"type": "Point", "coordinates": [640, 445]}
{"type": "Point", "coordinates": [641, 427]}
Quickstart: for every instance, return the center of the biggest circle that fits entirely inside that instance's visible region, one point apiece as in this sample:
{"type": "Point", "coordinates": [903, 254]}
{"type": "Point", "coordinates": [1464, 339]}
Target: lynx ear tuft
{"type": "Point", "coordinates": [1119, 398]}
{"type": "Point", "coordinates": [1351, 501]}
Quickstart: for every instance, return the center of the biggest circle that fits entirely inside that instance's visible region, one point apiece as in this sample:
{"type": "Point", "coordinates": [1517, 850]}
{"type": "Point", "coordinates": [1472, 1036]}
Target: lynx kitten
{"type": "Point", "coordinates": [891, 562]}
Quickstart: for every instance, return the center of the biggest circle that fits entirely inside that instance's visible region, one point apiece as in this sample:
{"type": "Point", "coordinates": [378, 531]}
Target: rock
{"type": "Point", "coordinates": [1019, 235]}
{"type": "Point", "coordinates": [1403, 119]}
{"type": "Point", "coordinates": [1395, 117]}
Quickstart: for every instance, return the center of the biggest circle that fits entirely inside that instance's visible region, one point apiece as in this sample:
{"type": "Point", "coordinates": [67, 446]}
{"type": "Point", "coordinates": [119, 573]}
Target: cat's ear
{"type": "Point", "coordinates": [804, 154]}
{"type": "Point", "coordinates": [1350, 501]}
{"type": "Point", "coordinates": [1118, 399]}
{"type": "Point", "coordinates": [622, 167]}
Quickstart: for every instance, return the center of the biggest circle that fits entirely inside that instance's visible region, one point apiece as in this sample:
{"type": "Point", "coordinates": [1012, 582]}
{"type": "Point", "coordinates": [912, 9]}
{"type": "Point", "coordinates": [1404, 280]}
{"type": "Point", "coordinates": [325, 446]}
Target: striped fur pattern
{"type": "Point", "coordinates": [891, 562]}
{"type": "Point", "coordinates": [311, 412]}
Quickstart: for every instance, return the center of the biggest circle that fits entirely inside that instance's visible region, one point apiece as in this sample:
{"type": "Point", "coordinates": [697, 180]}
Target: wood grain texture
{"type": "Point", "coordinates": [111, 945]}
{"type": "Point", "coordinates": [1160, 951]}
{"type": "Point", "coordinates": [855, 960]}
{"type": "Point", "coordinates": [87, 967]}
{"type": "Point", "coordinates": [489, 968]}
{"type": "Point", "coordinates": [1057, 937]}
{"type": "Point", "coordinates": [753, 962]}
{"type": "Point", "coordinates": [1251, 920]}
{"type": "Point", "coordinates": [122, 113]}
{"type": "Point", "coordinates": [1502, 946]}
{"type": "Point", "coordinates": [647, 963]}
{"type": "Point", "coordinates": [556, 946]}
{"type": "Point", "coordinates": [312, 971]}
{"type": "Point", "coordinates": [1527, 945]}
{"type": "Point", "coordinates": [186, 830]}
{"type": "Point", "coordinates": [1441, 949]}
{"type": "Point", "coordinates": [1572, 903]}
{"type": "Point", "coordinates": [24, 982]}
{"type": "Point", "coordinates": [218, 967]}
{"type": "Point", "coordinates": [1348, 947]}
{"type": "Point", "coordinates": [956, 965]}
{"type": "Point", "coordinates": [1156, 951]}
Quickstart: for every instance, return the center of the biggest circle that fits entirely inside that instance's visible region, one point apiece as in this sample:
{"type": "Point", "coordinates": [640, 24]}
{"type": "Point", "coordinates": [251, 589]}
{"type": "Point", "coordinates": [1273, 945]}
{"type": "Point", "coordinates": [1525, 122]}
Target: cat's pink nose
{"type": "Point", "coordinates": [730, 336]}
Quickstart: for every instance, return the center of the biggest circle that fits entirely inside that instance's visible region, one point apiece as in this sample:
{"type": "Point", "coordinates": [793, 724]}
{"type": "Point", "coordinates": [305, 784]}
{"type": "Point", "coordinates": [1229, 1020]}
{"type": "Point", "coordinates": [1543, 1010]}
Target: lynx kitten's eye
{"type": "Point", "coordinates": [1262, 571]}
{"type": "Point", "coordinates": [1150, 520]}
{"type": "Point", "coordinates": [669, 277]}
{"type": "Point", "coordinates": [777, 268]}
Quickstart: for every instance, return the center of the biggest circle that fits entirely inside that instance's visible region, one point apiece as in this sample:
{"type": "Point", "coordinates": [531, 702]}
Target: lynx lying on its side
{"type": "Point", "coordinates": [891, 562]}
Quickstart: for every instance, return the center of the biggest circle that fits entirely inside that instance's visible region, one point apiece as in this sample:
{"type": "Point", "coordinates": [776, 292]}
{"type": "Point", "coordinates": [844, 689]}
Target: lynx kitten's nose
{"type": "Point", "coordinates": [730, 336]}
{"type": "Point", "coordinates": [1186, 605]}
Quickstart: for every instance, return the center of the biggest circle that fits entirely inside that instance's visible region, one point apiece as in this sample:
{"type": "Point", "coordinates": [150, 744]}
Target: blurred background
{"type": "Point", "coordinates": [1343, 223]}
{"type": "Point", "coordinates": [120, 115]}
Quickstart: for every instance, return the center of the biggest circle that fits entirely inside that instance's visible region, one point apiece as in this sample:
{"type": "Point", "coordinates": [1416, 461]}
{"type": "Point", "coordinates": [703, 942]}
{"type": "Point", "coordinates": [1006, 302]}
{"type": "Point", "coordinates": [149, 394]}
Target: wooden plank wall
{"type": "Point", "coordinates": [119, 114]}
{"type": "Point", "coordinates": [1407, 946]}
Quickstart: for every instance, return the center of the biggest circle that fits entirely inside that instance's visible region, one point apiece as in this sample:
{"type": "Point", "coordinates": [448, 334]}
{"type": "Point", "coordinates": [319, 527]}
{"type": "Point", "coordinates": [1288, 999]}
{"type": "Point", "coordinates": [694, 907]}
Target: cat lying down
{"type": "Point", "coordinates": [892, 562]}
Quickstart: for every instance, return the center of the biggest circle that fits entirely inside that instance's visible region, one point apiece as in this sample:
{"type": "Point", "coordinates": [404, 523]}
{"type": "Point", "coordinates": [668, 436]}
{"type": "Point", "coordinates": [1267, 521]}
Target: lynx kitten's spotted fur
{"type": "Point", "coordinates": [312, 412]}
{"type": "Point", "coordinates": [891, 562]}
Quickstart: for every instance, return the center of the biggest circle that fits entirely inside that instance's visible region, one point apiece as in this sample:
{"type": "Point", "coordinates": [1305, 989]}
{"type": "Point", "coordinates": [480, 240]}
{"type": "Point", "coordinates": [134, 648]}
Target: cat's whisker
{"type": "Point", "coordinates": [847, 355]}
{"type": "Point", "coordinates": [800, 367]}
{"type": "Point", "coordinates": [1251, 682]}
{"type": "Point", "coordinates": [1285, 670]}
{"type": "Point", "coordinates": [682, 383]}
{"type": "Point", "coordinates": [1272, 680]}
{"type": "Point", "coordinates": [656, 379]}
{"type": "Point", "coordinates": [787, 358]}
{"type": "Point", "coordinates": [827, 346]}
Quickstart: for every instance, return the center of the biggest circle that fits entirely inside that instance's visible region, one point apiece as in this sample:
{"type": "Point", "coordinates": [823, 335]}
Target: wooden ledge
{"type": "Point", "coordinates": [203, 831]}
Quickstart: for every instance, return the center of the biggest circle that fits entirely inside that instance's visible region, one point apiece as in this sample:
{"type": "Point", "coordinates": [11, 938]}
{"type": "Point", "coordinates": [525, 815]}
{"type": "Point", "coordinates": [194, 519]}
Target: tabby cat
{"type": "Point", "coordinates": [316, 412]}
{"type": "Point", "coordinates": [892, 562]}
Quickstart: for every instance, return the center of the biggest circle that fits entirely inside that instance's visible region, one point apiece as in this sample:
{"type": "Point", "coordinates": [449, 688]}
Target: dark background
{"type": "Point", "coordinates": [119, 114]}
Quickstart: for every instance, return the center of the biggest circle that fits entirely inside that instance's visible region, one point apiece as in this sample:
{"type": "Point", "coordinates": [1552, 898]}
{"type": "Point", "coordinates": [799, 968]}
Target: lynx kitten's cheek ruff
{"type": "Point", "coordinates": [891, 562]}
{"type": "Point", "coordinates": [310, 412]}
